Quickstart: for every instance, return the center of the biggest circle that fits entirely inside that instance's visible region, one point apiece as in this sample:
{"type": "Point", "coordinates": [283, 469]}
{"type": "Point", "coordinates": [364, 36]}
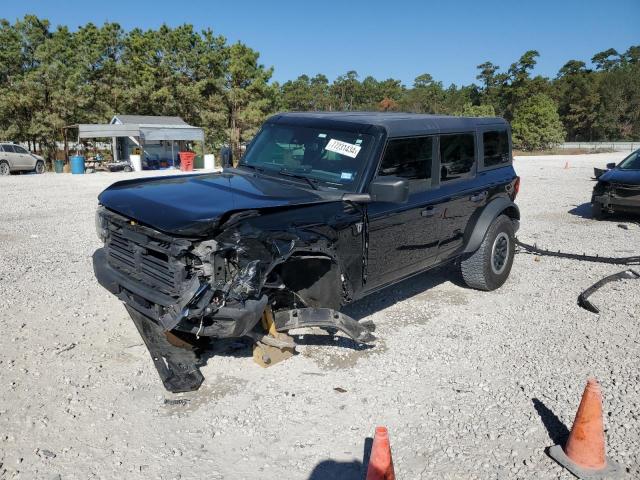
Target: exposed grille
{"type": "Point", "coordinates": [623, 190]}
{"type": "Point", "coordinates": [145, 259]}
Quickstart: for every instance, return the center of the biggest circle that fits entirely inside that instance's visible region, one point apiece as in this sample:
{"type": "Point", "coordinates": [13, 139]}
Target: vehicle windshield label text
{"type": "Point", "coordinates": [343, 148]}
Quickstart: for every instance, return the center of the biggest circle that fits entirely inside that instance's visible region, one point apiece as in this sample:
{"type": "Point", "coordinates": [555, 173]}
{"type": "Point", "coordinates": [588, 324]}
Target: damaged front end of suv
{"type": "Point", "coordinates": [216, 278]}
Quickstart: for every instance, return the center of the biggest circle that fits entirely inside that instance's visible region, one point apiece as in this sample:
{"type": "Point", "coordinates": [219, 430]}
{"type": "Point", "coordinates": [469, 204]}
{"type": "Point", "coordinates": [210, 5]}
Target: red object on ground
{"type": "Point", "coordinates": [186, 161]}
{"type": "Point", "coordinates": [584, 453]}
{"type": "Point", "coordinates": [380, 462]}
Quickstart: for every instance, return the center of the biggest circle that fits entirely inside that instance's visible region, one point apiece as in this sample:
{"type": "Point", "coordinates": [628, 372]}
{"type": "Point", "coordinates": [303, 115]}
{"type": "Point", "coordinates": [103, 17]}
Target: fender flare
{"type": "Point", "coordinates": [489, 213]}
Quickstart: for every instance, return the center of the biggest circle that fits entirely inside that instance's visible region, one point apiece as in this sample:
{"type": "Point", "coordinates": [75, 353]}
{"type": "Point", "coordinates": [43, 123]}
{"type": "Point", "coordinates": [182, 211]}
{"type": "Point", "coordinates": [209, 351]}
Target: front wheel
{"type": "Point", "coordinates": [39, 167]}
{"type": "Point", "coordinates": [597, 212]}
{"type": "Point", "coordinates": [489, 266]}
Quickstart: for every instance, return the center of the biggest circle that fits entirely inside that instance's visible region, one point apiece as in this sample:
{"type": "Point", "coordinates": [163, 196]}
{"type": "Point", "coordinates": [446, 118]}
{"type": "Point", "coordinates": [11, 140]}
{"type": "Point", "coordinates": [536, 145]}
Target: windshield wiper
{"type": "Point", "coordinates": [288, 173]}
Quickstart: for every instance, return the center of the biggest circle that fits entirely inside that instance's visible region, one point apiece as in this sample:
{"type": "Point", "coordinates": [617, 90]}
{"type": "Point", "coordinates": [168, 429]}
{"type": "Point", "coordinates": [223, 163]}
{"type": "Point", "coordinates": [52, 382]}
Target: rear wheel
{"type": "Point", "coordinates": [39, 167]}
{"type": "Point", "coordinates": [4, 168]}
{"type": "Point", "coordinates": [489, 266]}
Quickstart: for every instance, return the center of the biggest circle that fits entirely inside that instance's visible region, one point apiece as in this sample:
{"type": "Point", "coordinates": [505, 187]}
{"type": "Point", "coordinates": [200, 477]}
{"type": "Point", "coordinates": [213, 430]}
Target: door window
{"type": "Point", "coordinates": [19, 149]}
{"type": "Point", "coordinates": [496, 148]}
{"type": "Point", "coordinates": [457, 155]}
{"type": "Point", "coordinates": [409, 158]}
{"type": "Point", "coordinates": [9, 149]}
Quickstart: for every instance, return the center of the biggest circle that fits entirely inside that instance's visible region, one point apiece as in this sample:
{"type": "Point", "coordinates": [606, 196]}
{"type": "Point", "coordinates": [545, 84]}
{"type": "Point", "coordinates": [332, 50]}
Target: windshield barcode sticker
{"type": "Point", "coordinates": [343, 148]}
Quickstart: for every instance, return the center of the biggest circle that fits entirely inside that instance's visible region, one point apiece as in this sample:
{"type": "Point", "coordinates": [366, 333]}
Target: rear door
{"type": "Point", "coordinates": [460, 189]}
{"type": "Point", "coordinates": [403, 239]}
{"type": "Point", "coordinates": [11, 156]}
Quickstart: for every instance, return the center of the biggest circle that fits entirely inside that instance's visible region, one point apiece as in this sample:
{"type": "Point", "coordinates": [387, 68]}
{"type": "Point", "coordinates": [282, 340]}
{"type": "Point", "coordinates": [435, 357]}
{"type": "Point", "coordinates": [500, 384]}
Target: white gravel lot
{"type": "Point", "coordinates": [470, 384]}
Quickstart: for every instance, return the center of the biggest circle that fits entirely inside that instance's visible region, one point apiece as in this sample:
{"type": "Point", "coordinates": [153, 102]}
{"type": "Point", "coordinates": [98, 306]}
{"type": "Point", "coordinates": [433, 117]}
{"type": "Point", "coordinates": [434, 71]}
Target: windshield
{"type": "Point", "coordinates": [632, 162]}
{"type": "Point", "coordinates": [331, 158]}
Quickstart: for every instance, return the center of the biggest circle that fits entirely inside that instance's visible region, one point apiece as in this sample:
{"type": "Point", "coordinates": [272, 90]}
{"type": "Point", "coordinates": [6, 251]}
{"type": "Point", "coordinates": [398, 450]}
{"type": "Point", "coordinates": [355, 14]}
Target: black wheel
{"type": "Point", "coordinates": [489, 266]}
{"type": "Point", "coordinates": [4, 168]}
{"type": "Point", "coordinates": [39, 167]}
{"type": "Point", "coordinates": [597, 212]}
{"type": "Point", "coordinates": [128, 169]}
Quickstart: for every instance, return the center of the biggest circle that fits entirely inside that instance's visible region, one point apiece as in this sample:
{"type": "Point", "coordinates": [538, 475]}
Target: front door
{"type": "Point", "coordinates": [403, 238]}
{"type": "Point", "coordinates": [25, 160]}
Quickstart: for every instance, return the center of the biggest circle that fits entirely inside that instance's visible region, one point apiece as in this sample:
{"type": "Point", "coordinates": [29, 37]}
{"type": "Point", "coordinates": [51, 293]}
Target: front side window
{"type": "Point", "coordinates": [632, 162]}
{"type": "Point", "coordinates": [457, 154]}
{"type": "Point", "coordinates": [409, 158]}
{"type": "Point", "coordinates": [496, 148]}
{"type": "Point", "coordinates": [20, 149]}
{"type": "Point", "coordinates": [333, 158]}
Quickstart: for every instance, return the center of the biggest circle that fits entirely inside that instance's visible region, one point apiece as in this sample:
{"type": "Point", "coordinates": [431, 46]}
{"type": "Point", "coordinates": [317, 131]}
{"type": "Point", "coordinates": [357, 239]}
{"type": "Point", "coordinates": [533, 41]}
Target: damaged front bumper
{"type": "Point", "coordinates": [623, 198]}
{"type": "Point", "coordinates": [219, 287]}
{"type": "Point", "coordinates": [174, 312]}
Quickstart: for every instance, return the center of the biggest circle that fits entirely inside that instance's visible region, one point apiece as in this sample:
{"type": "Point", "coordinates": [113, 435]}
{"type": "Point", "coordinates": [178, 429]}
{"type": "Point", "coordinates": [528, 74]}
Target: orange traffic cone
{"type": "Point", "coordinates": [584, 453]}
{"type": "Point", "coordinates": [380, 462]}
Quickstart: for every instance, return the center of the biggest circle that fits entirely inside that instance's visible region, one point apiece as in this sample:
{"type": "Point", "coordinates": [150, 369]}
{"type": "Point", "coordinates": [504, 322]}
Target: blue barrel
{"type": "Point", "coordinates": [77, 164]}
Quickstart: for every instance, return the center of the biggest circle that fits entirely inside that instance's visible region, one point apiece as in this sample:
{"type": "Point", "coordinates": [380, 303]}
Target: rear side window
{"type": "Point", "coordinates": [409, 158]}
{"type": "Point", "coordinates": [9, 148]}
{"type": "Point", "coordinates": [496, 148]}
{"type": "Point", "coordinates": [457, 154]}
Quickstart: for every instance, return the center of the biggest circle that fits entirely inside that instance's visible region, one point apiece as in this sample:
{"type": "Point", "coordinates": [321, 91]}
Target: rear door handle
{"type": "Point", "coordinates": [478, 197]}
{"type": "Point", "coordinates": [429, 212]}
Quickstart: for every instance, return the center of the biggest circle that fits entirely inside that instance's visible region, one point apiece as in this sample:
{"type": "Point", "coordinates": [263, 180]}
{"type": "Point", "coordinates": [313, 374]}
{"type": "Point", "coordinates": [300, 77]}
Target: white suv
{"type": "Point", "coordinates": [14, 158]}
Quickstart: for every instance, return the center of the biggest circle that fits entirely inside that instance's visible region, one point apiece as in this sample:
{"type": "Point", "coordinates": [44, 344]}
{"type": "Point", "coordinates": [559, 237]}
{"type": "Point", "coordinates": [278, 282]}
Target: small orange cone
{"type": "Point", "coordinates": [380, 462]}
{"type": "Point", "coordinates": [584, 453]}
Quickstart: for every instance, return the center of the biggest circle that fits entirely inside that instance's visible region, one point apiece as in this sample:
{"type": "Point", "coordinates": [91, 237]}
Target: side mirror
{"type": "Point", "coordinates": [611, 165]}
{"type": "Point", "coordinates": [389, 189]}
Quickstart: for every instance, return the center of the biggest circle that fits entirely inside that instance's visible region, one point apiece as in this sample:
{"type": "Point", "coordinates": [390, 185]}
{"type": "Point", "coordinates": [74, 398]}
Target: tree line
{"type": "Point", "coordinates": [54, 77]}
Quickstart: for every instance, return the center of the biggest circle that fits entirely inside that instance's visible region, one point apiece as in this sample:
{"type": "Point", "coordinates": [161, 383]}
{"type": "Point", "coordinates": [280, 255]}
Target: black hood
{"type": "Point", "coordinates": [195, 204]}
{"type": "Point", "coordinates": [618, 175]}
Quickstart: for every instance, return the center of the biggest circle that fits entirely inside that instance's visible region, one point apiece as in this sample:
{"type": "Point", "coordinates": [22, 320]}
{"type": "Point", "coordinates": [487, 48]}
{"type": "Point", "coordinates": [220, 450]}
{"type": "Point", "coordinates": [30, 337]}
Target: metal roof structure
{"type": "Point", "coordinates": [396, 124]}
{"type": "Point", "coordinates": [145, 127]}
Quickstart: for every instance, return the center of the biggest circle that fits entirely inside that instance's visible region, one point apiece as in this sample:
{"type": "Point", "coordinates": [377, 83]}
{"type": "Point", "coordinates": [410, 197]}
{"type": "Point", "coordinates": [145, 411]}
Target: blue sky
{"type": "Point", "coordinates": [399, 39]}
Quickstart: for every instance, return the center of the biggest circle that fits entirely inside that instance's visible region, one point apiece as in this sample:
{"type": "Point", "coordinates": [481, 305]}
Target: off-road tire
{"type": "Point", "coordinates": [597, 212]}
{"type": "Point", "coordinates": [39, 167]}
{"type": "Point", "coordinates": [4, 168]}
{"type": "Point", "coordinates": [484, 269]}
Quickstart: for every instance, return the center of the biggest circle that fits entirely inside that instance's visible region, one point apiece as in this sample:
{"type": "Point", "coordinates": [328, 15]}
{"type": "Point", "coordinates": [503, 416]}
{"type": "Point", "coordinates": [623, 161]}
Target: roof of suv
{"type": "Point", "coordinates": [396, 124]}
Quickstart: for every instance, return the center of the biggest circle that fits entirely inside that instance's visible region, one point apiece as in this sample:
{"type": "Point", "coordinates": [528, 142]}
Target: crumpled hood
{"type": "Point", "coordinates": [194, 204]}
{"type": "Point", "coordinates": [629, 177]}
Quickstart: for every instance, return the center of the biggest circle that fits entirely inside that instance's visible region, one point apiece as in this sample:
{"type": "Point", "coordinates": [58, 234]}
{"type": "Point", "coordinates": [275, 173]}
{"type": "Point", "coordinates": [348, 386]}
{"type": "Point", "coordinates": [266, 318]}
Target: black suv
{"type": "Point", "coordinates": [323, 209]}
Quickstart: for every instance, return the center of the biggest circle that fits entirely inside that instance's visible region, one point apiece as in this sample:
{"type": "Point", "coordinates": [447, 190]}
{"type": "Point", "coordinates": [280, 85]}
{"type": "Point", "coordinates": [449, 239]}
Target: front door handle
{"type": "Point", "coordinates": [478, 197]}
{"type": "Point", "coordinates": [429, 212]}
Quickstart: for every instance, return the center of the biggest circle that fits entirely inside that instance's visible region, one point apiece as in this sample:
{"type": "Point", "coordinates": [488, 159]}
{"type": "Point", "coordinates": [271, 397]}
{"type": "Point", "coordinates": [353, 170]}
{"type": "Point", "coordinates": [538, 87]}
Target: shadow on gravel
{"type": "Point", "coordinates": [354, 470]}
{"type": "Point", "coordinates": [583, 210]}
{"type": "Point", "coordinates": [558, 432]}
{"type": "Point", "coordinates": [402, 291]}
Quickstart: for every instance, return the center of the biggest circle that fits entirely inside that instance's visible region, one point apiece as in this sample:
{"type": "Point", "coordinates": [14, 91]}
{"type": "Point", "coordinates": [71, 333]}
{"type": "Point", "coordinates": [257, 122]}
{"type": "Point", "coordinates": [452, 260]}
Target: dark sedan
{"type": "Point", "coordinates": [618, 188]}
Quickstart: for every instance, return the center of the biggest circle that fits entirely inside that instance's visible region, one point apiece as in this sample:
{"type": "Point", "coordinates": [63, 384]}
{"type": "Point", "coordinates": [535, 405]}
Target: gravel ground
{"type": "Point", "coordinates": [470, 384]}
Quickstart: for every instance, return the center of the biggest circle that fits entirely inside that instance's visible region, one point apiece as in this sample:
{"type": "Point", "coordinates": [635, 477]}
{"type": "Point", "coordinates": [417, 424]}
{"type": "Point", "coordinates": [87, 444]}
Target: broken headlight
{"type": "Point", "coordinates": [102, 229]}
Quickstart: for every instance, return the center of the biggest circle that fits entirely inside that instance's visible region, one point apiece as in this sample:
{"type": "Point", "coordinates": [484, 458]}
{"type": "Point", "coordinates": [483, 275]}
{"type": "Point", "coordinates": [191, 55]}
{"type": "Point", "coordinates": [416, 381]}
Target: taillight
{"type": "Point", "coordinates": [516, 188]}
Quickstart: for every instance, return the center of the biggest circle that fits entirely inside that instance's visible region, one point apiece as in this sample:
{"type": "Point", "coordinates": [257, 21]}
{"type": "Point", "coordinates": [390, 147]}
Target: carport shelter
{"type": "Point", "coordinates": [154, 135]}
